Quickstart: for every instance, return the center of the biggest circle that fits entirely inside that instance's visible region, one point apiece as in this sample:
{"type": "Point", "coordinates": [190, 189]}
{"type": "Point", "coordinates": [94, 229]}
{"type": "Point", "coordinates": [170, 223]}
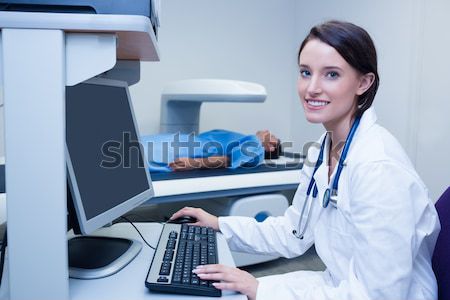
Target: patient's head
{"type": "Point", "coordinates": [271, 144]}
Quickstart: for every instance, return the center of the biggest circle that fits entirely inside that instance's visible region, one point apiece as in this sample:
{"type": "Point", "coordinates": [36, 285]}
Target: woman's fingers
{"type": "Point", "coordinates": [214, 268]}
{"type": "Point", "coordinates": [210, 269]}
{"type": "Point", "coordinates": [186, 211]}
{"type": "Point", "coordinates": [226, 286]}
{"type": "Point", "coordinates": [230, 279]}
{"type": "Point", "coordinates": [203, 218]}
{"type": "Point", "coordinates": [215, 272]}
{"type": "Point", "coordinates": [216, 276]}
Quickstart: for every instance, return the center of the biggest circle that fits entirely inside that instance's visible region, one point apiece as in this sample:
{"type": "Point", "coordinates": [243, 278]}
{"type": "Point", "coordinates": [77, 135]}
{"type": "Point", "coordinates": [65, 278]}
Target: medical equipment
{"type": "Point", "coordinates": [180, 112]}
{"type": "Point", "coordinates": [146, 8]}
{"type": "Point", "coordinates": [329, 195]}
{"type": "Point", "coordinates": [181, 100]}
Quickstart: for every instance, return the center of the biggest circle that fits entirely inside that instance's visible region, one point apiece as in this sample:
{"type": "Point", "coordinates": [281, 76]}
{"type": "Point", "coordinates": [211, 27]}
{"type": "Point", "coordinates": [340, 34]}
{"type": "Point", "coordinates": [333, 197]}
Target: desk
{"type": "Point", "coordinates": [129, 282]}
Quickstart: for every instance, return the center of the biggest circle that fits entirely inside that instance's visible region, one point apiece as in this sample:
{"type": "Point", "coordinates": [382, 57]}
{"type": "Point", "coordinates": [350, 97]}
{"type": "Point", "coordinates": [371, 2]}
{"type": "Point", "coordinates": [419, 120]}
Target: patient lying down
{"type": "Point", "coordinates": [210, 149]}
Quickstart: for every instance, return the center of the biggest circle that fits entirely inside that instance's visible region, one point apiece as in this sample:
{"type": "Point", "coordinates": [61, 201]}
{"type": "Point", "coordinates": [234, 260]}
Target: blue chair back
{"type": "Point", "coordinates": [441, 255]}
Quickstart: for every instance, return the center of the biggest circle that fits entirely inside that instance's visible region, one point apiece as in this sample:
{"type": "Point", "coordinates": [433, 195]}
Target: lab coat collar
{"type": "Point", "coordinates": [368, 119]}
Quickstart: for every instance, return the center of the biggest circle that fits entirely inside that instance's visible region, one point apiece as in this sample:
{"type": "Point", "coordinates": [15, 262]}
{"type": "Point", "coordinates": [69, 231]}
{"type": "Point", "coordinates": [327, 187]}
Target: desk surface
{"type": "Point", "coordinates": [129, 282]}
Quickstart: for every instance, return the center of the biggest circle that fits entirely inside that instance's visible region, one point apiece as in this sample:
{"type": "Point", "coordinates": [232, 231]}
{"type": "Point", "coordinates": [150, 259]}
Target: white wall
{"type": "Point", "coordinates": [432, 109]}
{"type": "Point", "coordinates": [245, 40]}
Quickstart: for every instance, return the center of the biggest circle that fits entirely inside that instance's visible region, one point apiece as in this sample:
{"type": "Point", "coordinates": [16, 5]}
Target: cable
{"type": "Point", "coordinates": [141, 217]}
{"type": "Point", "coordinates": [2, 257]}
{"type": "Point", "coordinates": [126, 219]}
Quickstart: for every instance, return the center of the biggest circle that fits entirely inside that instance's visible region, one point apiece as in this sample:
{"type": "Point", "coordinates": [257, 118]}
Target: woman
{"type": "Point", "coordinates": [377, 235]}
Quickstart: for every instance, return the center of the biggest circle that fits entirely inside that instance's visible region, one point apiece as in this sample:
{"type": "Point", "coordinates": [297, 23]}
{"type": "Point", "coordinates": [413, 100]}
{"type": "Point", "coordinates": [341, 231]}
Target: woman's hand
{"type": "Point", "coordinates": [231, 279]}
{"type": "Point", "coordinates": [268, 140]}
{"type": "Point", "coordinates": [203, 218]}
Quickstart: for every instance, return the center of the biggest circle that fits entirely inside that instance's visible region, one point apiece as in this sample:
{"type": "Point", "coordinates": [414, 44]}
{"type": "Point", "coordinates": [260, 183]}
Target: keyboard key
{"type": "Point", "coordinates": [185, 280]}
{"type": "Point", "coordinates": [168, 255]}
{"type": "Point", "coordinates": [171, 244]}
{"type": "Point", "coordinates": [163, 279]}
{"type": "Point", "coordinates": [165, 268]}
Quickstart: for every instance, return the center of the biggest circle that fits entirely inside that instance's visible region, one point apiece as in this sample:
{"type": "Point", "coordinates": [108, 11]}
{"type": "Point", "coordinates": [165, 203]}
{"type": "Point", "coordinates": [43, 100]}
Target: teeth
{"type": "Point", "coordinates": [317, 103]}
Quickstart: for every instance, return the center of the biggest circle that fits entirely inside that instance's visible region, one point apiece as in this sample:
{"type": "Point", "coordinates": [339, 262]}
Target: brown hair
{"type": "Point", "coordinates": [354, 44]}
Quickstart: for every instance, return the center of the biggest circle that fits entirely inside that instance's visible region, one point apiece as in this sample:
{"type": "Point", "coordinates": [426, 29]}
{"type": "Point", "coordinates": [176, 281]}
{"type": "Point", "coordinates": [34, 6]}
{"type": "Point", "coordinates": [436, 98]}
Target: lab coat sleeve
{"type": "Point", "coordinates": [274, 235]}
{"type": "Point", "coordinates": [383, 214]}
{"type": "Point", "coordinates": [384, 238]}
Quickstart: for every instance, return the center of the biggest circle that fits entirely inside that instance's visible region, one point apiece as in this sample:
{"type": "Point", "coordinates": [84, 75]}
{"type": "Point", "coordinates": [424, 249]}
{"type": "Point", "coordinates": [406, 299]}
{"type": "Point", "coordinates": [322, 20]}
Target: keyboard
{"type": "Point", "coordinates": [180, 249]}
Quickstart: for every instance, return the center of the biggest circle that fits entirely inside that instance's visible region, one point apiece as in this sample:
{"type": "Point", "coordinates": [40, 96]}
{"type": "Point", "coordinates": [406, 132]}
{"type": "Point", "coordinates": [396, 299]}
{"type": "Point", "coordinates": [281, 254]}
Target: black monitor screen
{"type": "Point", "coordinates": [102, 143]}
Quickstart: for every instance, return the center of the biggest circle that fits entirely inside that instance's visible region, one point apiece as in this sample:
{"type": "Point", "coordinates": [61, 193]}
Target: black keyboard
{"type": "Point", "coordinates": [180, 249]}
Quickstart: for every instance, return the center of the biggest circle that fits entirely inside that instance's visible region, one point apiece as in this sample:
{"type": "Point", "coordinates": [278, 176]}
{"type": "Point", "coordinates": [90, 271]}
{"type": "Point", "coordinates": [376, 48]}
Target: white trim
{"type": "Point", "coordinates": [67, 21]}
{"type": "Point", "coordinates": [229, 182]}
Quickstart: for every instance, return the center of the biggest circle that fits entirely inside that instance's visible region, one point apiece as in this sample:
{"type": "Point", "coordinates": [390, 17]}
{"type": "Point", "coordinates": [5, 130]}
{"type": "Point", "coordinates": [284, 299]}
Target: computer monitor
{"type": "Point", "coordinates": [106, 169]}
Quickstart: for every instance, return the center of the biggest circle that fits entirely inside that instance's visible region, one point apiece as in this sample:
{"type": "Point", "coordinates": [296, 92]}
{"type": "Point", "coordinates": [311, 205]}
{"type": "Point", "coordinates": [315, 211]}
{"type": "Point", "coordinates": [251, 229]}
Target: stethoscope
{"type": "Point", "coordinates": [330, 195]}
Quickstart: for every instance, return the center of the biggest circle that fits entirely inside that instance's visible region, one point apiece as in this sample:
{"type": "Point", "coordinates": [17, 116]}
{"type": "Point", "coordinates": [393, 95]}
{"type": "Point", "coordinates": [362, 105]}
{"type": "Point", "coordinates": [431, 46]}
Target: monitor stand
{"type": "Point", "coordinates": [92, 257]}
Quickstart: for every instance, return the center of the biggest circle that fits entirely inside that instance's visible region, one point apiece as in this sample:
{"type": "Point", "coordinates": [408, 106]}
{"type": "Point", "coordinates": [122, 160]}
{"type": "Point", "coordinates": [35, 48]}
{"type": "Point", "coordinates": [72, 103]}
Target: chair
{"type": "Point", "coordinates": [441, 255]}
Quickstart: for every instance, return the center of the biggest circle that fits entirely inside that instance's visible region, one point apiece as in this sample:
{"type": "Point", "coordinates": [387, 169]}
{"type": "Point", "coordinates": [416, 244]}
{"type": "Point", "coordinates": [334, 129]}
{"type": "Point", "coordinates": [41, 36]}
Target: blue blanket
{"type": "Point", "coordinates": [162, 149]}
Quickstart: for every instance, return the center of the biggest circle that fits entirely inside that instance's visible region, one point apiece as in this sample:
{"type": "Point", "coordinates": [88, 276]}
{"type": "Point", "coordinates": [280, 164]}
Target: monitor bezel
{"type": "Point", "coordinates": [88, 226]}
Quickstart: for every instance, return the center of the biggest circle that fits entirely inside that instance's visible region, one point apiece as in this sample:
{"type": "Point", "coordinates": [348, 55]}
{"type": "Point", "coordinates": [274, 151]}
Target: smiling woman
{"type": "Point", "coordinates": [357, 52]}
{"type": "Point", "coordinates": [361, 225]}
{"type": "Point", "coordinates": [336, 83]}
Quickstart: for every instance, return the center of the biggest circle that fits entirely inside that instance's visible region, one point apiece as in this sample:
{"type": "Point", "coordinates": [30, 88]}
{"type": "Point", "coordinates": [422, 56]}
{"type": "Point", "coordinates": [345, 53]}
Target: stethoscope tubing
{"type": "Point", "coordinates": [351, 134]}
{"type": "Point", "coordinates": [313, 185]}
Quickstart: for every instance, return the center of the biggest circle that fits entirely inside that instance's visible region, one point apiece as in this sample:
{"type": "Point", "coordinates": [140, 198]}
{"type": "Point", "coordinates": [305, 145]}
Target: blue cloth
{"type": "Point", "coordinates": [162, 149]}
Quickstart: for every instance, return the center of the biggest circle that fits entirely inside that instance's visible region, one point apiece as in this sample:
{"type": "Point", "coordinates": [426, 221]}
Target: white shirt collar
{"type": "Point", "coordinates": [368, 119]}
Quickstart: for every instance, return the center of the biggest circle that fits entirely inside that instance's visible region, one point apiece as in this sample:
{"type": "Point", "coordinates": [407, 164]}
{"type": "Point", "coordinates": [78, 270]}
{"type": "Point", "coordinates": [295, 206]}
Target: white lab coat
{"type": "Point", "coordinates": [377, 243]}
